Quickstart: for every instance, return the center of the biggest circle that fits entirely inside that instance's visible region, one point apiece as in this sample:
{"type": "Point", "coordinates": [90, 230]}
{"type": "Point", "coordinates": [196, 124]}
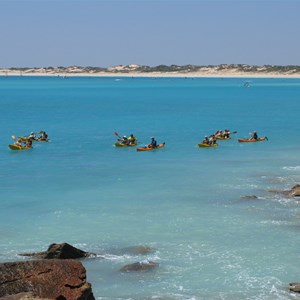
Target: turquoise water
{"type": "Point", "coordinates": [183, 201]}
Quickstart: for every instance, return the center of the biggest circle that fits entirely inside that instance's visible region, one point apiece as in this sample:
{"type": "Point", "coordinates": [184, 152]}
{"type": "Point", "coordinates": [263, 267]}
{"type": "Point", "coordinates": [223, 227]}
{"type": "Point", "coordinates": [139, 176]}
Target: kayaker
{"type": "Point", "coordinates": [254, 135]}
{"type": "Point", "coordinates": [29, 143]}
{"type": "Point", "coordinates": [124, 140]}
{"type": "Point", "coordinates": [18, 142]}
{"type": "Point", "coordinates": [219, 133]}
{"type": "Point", "coordinates": [226, 134]}
{"type": "Point", "coordinates": [212, 139]}
{"type": "Point", "coordinates": [131, 139]}
{"type": "Point", "coordinates": [153, 143]}
{"type": "Point", "coordinates": [206, 140]}
{"type": "Point", "coordinates": [43, 136]}
{"type": "Point", "coordinates": [31, 136]}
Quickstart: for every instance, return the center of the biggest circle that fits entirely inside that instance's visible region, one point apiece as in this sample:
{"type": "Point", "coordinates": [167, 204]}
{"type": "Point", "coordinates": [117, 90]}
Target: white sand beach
{"type": "Point", "coordinates": [128, 71]}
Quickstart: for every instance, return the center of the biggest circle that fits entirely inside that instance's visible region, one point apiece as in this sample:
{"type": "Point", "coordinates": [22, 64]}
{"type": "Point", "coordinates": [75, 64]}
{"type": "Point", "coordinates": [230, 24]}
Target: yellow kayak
{"type": "Point", "coordinates": [207, 145]}
{"type": "Point", "coordinates": [117, 144]}
{"type": "Point", "coordinates": [16, 147]}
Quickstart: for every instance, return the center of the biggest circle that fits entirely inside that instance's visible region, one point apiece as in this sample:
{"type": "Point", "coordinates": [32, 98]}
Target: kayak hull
{"type": "Point", "coordinates": [223, 138]}
{"type": "Point", "coordinates": [124, 145]}
{"type": "Point", "coordinates": [202, 145]}
{"type": "Point", "coordinates": [252, 140]}
{"type": "Point", "coordinates": [15, 147]}
{"type": "Point", "coordinates": [149, 149]}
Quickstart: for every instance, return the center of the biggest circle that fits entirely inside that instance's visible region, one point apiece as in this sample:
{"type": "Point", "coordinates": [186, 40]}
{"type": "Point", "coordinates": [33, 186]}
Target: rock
{"type": "Point", "coordinates": [134, 250]}
{"type": "Point", "coordinates": [293, 192]}
{"type": "Point", "coordinates": [22, 296]}
{"type": "Point", "coordinates": [60, 251]}
{"type": "Point", "coordinates": [249, 197]}
{"type": "Point", "coordinates": [139, 266]}
{"type": "Point", "coordinates": [52, 279]}
{"type": "Point", "coordinates": [294, 287]}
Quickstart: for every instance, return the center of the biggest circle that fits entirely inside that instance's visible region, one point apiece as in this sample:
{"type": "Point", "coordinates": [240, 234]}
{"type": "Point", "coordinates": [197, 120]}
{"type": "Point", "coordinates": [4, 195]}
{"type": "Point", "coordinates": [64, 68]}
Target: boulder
{"type": "Point", "coordinates": [135, 250]}
{"type": "Point", "coordinates": [140, 266]}
{"type": "Point", "coordinates": [294, 287]}
{"type": "Point", "coordinates": [60, 251]}
{"type": "Point", "coordinates": [40, 279]}
{"type": "Point", "coordinates": [293, 192]}
{"type": "Point", "coordinates": [249, 197]}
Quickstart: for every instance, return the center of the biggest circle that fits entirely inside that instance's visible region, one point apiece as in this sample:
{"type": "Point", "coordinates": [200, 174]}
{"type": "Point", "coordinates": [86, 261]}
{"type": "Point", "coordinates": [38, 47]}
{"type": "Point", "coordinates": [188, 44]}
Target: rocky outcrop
{"type": "Point", "coordinates": [60, 251]}
{"type": "Point", "coordinates": [294, 287]}
{"type": "Point", "coordinates": [52, 279]}
{"type": "Point", "coordinates": [249, 197]}
{"type": "Point", "coordinates": [140, 266]}
{"type": "Point", "coordinates": [293, 192]}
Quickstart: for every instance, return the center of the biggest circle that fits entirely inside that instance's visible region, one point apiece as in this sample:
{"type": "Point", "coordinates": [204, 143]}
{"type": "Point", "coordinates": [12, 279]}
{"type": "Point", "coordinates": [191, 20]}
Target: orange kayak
{"type": "Point", "coordinates": [252, 140]}
{"type": "Point", "coordinates": [150, 148]}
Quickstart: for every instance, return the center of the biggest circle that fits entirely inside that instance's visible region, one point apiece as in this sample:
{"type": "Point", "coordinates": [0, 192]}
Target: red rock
{"type": "Point", "coordinates": [51, 279]}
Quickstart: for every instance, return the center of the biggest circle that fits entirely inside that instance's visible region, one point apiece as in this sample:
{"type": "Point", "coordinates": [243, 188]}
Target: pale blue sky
{"type": "Point", "coordinates": [37, 33]}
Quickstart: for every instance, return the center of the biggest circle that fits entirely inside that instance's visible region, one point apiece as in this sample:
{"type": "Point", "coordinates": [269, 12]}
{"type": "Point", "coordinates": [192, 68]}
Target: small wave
{"type": "Point", "coordinates": [296, 168]}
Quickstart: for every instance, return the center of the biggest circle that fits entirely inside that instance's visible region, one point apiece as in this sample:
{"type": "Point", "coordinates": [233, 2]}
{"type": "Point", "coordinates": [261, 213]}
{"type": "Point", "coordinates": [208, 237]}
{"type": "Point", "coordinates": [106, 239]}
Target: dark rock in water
{"type": "Point", "coordinates": [294, 287]}
{"type": "Point", "coordinates": [139, 267]}
{"type": "Point", "coordinates": [60, 251]}
{"type": "Point", "coordinates": [137, 250]}
{"type": "Point", "coordinates": [293, 192]}
{"type": "Point", "coordinates": [249, 197]}
{"type": "Point", "coordinates": [52, 279]}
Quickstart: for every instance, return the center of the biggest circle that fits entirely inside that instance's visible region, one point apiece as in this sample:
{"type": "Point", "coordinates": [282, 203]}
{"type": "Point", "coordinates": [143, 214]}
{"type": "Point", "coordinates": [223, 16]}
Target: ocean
{"type": "Point", "coordinates": [185, 202]}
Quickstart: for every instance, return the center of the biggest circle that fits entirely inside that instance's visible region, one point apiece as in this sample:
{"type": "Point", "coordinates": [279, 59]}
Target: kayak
{"type": "Point", "coordinates": [149, 148]}
{"type": "Point", "coordinates": [15, 147]}
{"type": "Point", "coordinates": [117, 144]}
{"type": "Point", "coordinates": [222, 138]}
{"type": "Point", "coordinates": [207, 145]}
{"type": "Point", "coordinates": [252, 140]}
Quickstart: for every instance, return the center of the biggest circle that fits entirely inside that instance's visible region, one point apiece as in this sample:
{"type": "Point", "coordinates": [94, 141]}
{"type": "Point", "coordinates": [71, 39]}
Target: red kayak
{"type": "Point", "coordinates": [252, 140]}
{"type": "Point", "coordinates": [150, 148]}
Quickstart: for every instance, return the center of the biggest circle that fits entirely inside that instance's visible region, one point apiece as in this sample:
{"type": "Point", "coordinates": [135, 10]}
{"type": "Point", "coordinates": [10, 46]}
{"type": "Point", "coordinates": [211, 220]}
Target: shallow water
{"type": "Point", "coordinates": [181, 200]}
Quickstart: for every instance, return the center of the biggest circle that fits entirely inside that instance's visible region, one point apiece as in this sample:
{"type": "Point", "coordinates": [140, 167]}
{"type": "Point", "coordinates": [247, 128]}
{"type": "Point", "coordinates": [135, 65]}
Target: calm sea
{"type": "Point", "coordinates": [182, 200]}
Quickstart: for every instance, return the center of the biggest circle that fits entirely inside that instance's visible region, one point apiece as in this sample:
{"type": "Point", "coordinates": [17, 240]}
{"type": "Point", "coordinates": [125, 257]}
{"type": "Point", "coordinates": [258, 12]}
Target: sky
{"type": "Point", "coordinates": [105, 33]}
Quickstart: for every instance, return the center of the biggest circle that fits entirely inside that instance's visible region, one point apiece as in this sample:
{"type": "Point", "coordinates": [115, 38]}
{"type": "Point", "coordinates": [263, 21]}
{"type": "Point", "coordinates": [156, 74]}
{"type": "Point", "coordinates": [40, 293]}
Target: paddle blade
{"type": "Point", "coordinates": [115, 133]}
{"type": "Point", "coordinates": [234, 132]}
{"type": "Point", "coordinates": [13, 136]}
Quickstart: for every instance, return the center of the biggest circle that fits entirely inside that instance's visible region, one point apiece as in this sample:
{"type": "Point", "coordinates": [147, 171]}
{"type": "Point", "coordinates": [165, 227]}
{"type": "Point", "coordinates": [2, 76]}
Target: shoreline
{"type": "Point", "coordinates": [225, 74]}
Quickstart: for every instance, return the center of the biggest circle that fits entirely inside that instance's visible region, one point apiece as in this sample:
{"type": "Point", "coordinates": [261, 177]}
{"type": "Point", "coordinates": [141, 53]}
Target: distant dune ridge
{"type": "Point", "coordinates": [223, 70]}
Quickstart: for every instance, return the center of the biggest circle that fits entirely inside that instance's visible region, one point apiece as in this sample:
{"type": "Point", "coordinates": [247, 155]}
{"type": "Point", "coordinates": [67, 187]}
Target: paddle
{"type": "Point", "coordinates": [115, 133]}
{"type": "Point", "coordinates": [13, 137]}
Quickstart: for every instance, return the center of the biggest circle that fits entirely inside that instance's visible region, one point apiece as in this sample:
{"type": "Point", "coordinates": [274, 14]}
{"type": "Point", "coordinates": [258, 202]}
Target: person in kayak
{"type": "Point", "coordinates": [31, 136]}
{"type": "Point", "coordinates": [153, 143]}
{"type": "Point", "coordinates": [205, 141]}
{"type": "Point", "coordinates": [124, 140]}
{"type": "Point", "coordinates": [43, 136]}
{"type": "Point", "coordinates": [18, 142]}
{"type": "Point", "coordinates": [254, 135]}
{"type": "Point", "coordinates": [29, 143]}
{"type": "Point", "coordinates": [212, 139]}
{"type": "Point", "coordinates": [131, 139]}
{"type": "Point", "coordinates": [226, 134]}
